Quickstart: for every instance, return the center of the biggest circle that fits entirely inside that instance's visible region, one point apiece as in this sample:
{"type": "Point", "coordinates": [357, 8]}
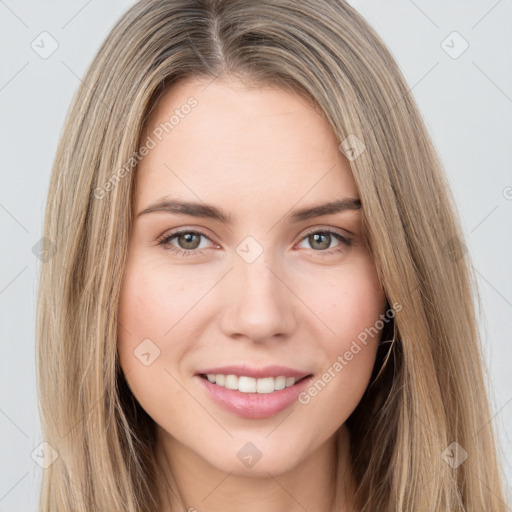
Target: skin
{"type": "Point", "coordinates": [258, 153]}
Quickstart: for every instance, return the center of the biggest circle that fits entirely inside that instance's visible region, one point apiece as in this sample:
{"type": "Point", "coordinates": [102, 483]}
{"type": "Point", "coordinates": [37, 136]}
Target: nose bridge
{"type": "Point", "coordinates": [259, 305]}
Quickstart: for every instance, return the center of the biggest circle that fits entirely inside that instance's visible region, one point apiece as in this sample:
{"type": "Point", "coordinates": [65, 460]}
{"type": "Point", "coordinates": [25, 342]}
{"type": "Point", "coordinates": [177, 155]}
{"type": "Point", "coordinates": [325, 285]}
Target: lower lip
{"type": "Point", "coordinates": [254, 405]}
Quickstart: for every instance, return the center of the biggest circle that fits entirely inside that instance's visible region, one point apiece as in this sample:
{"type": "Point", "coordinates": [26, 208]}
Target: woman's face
{"type": "Point", "coordinates": [255, 290]}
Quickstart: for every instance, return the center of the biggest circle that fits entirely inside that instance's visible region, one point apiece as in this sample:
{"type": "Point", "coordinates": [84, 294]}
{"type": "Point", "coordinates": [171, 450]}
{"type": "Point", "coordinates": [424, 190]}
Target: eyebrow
{"type": "Point", "coordinates": [212, 212]}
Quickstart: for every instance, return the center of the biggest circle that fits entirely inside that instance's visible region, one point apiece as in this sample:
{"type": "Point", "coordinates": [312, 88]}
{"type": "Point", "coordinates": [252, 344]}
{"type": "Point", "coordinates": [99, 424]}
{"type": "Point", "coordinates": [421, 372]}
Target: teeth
{"type": "Point", "coordinates": [247, 384]}
{"type": "Point", "coordinates": [290, 381]}
{"type": "Point", "coordinates": [251, 385]}
{"type": "Point", "coordinates": [280, 383]}
{"type": "Point", "coordinates": [231, 382]}
{"type": "Point", "coordinates": [265, 385]}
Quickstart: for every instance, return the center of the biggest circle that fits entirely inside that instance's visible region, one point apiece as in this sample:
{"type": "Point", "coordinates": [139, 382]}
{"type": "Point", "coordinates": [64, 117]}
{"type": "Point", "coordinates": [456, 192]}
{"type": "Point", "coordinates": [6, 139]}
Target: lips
{"type": "Point", "coordinates": [253, 392]}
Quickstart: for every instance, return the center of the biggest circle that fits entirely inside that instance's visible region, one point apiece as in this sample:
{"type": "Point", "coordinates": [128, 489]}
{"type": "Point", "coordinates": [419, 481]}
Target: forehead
{"type": "Point", "coordinates": [226, 141]}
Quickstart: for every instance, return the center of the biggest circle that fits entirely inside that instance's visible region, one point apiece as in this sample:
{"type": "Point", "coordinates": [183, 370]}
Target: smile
{"type": "Point", "coordinates": [246, 384]}
{"type": "Point", "coordinates": [263, 393]}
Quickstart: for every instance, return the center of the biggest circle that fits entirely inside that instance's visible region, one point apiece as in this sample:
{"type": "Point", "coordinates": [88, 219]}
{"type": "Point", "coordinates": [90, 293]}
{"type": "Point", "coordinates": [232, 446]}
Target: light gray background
{"type": "Point", "coordinates": [466, 102]}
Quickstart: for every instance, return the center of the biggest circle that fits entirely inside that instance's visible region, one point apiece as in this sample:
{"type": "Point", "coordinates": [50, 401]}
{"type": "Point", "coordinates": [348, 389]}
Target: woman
{"type": "Point", "coordinates": [259, 297]}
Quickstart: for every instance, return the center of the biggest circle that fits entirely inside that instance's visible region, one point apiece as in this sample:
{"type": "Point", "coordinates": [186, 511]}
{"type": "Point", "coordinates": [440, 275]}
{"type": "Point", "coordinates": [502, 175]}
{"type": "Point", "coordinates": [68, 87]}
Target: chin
{"type": "Point", "coordinates": [256, 458]}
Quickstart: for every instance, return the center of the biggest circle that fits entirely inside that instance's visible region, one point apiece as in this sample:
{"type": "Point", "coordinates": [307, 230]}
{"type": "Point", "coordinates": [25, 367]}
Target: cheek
{"type": "Point", "coordinates": [352, 309]}
{"type": "Point", "coordinates": [150, 343]}
{"type": "Point", "coordinates": [159, 309]}
{"type": "Point", "coordinates": [143, 319]}
{"type": "Point", "coordinates": [152, 304]}
{"type": "Point", "coordinates": [351, 305]}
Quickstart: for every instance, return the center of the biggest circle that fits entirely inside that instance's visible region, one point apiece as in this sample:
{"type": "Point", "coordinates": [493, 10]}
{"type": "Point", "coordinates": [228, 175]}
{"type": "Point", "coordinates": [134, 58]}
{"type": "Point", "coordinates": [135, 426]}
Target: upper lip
{"type": "Point", "coordinates": [257, 373]}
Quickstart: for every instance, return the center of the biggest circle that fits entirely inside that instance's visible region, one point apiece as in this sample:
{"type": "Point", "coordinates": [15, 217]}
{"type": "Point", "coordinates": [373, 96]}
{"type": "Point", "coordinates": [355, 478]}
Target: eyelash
{"type": "Point", "coordinates": [165, 241]}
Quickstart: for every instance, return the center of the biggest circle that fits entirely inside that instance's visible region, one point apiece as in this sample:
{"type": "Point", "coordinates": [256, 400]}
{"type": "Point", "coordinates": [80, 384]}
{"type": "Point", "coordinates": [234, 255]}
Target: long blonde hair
{"type": "Point", "coordinates": [428, 388]}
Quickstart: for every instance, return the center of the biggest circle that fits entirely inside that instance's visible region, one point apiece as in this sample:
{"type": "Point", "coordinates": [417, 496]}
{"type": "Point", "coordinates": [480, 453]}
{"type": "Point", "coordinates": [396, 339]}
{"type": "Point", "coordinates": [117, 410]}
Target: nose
{"type": "Point", "coordinates": [259, 303]}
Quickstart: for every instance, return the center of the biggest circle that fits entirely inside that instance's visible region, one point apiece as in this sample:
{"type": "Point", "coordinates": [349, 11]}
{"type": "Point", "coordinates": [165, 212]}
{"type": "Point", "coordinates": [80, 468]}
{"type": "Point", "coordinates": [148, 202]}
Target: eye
{"type": "Point", "coordinates": [189, 241]}
{"type": "Point", "coordinates": [320, 241]}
